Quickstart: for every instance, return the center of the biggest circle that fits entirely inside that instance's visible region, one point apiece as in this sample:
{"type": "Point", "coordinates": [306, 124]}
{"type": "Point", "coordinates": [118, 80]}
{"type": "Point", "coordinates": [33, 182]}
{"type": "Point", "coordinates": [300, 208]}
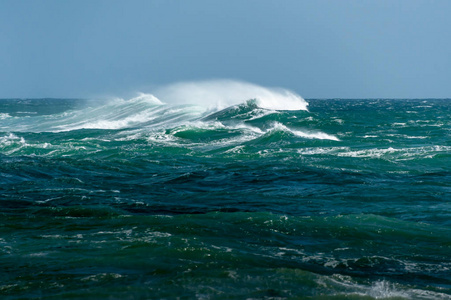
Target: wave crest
{"type": "Point", "coordinates": [219, 94]}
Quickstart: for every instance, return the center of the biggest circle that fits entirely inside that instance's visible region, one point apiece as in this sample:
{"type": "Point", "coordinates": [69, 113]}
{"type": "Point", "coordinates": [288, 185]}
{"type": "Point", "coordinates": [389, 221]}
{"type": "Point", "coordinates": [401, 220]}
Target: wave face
{"type": "Point", "coordinates": [225, 189]}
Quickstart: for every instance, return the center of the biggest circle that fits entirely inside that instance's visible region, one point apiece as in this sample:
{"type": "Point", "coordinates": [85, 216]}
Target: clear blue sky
{"type": "Point", "coordinates": [320, 49]}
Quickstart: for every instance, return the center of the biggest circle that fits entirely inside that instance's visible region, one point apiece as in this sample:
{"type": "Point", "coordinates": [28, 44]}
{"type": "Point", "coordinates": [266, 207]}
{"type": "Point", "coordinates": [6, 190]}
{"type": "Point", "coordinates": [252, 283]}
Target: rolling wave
{"type": "Point", "coordinates": [238, 107]}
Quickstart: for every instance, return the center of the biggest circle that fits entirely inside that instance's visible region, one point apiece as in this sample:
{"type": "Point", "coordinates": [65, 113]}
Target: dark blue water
{"type": "Point", "coordinates": [135, 199]}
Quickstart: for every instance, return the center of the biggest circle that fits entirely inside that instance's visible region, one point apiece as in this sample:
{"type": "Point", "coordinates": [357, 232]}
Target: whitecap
{"type": "Point", "coordinates": [219, 94]}
{"type": "Point", "coordinates": [306, 134]}
{"type": "Point", "coordinates": [4, 116]}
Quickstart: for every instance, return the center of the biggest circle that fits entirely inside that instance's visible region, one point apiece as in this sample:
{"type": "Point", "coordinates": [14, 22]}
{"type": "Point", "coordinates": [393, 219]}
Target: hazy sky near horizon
{"type": "Point", "coordinates": [320, 49]}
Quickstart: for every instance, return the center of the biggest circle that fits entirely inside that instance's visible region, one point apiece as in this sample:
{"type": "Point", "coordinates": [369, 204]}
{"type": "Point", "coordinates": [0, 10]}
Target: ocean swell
{"type": "Point", "coordinates": [201, 105]}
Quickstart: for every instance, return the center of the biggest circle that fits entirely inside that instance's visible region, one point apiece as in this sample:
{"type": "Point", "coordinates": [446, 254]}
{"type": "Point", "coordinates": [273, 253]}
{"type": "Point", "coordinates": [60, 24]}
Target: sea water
{"type": "Point", "coordinates": [225, 192]}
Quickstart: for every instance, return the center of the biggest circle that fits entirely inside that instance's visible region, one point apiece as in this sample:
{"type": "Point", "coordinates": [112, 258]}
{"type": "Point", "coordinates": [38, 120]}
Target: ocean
{"type": "Point", "coordinates": [263, 195]}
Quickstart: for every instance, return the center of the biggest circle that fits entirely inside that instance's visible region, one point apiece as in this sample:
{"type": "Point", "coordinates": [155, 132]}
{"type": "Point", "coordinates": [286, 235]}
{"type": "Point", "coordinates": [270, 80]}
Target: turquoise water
{"type": "Point", "coordinates": [146, 199]}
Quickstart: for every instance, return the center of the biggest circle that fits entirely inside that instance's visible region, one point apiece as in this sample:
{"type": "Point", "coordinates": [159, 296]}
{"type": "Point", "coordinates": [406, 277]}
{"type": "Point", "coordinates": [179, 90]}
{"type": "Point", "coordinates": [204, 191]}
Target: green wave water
{"type": "Point", "coordinates": [141, 199]}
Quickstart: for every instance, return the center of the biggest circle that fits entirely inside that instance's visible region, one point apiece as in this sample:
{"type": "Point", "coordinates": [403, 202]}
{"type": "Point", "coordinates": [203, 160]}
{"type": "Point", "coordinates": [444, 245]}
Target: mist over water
{"type": "Point", "coordinates": [219, 94]}
{"type": "Point", "coordinates": [224, 189]}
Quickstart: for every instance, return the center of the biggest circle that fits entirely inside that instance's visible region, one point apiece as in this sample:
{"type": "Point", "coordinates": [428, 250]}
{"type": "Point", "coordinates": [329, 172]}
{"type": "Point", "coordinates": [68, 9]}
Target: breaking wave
{"type": "Point", "coordinates": [219, 94]}
{"type": "Point", "coordinates": [237, 106]}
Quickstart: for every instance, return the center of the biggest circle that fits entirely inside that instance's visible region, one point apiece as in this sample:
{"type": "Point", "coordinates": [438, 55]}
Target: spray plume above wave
{"type": "Point", "coordinates": [220, 94]}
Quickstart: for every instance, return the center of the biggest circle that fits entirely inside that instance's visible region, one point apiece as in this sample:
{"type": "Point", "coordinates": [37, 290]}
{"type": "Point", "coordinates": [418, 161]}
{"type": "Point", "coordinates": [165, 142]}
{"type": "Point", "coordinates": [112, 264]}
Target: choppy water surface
{"type": "Point", "coordinates": [138, 198]}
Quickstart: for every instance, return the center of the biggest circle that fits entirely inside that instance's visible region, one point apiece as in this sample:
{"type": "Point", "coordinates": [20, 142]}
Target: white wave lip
{"type": "Point", "coordinates": [219, 94]}
{"type": "Point", "coordinates": [4, 116]}
{"type": "Point", "coordinates": [310, 135]}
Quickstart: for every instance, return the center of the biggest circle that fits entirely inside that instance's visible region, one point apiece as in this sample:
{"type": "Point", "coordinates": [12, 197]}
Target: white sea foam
{"type": "Point", "coordinates": [379, 289]}
{"type": "Point", "coordinates": [305, 134]}
{"type": "Point", "coordinates": [235, 150]}
{"type": "Point", "coordinates": [102, 277]}
{"type": "Point", "coordinates": [416, 137]}
{"type": "Point", "coordinates": [397, 153]}
{"type": "Point", "coordinates": [247, 133]}
{"type": "Point", "coordinates": [262, 113]}
{"type": "Point", "coordinates": [11, 139]}
{"type": "Point", "coordinates": [339, 121]}
{"type": "Point", "coordinates": [27, 112]}
{"type": "Point", "coordinates": [11, 143]}
{"type": "Point", "coordinates": [328, 150]}
{"type": "Point", "coordinates": [384, 289]}
{"type": "Point", "coordinates": [4, 116]}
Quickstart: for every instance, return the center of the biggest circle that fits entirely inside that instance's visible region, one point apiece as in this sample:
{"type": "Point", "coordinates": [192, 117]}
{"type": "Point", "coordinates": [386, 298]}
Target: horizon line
{"type": "Point", "coordinates": [309, 98]}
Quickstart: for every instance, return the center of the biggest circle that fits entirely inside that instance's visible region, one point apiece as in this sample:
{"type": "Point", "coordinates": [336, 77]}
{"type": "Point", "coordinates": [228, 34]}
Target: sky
{"type": "Point", "coordinates": [319, 49]}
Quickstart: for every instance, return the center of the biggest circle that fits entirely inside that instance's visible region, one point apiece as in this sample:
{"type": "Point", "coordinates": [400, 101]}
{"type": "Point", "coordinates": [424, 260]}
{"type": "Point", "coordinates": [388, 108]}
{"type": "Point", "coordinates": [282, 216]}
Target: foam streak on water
{"type": "Point", "coordinates": [225, 189]}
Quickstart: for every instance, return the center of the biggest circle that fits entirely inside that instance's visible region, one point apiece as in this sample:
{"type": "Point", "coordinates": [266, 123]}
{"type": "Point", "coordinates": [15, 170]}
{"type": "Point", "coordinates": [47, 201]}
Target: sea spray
{"type": "Point", "coordinates": [219, 94]}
